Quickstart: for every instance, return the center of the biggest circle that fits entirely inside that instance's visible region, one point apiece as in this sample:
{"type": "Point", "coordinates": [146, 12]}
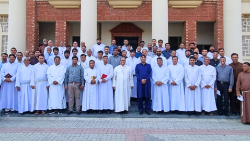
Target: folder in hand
{"type": "Point", "coordinates": [104, 76]}
{"type": "Point", "coordinates": [8, 76]}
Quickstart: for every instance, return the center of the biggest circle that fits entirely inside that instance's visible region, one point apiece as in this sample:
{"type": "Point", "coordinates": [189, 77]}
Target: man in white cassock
{"type": "Point", "coordinates": [84, 65]}
{"type": "Point", "coordinates": [97, 47]}
{"type": "Point", "coordinates": [39, 82]}
{"type": "Point", "coordinates": [176, 87]}
{"type": "Point", "coordinates": [99, 60]}
{"type": "Point", "coordinates": [90, 57]}
{"type": "Point", "coordinates": [90, 92]}
{"type": "Point", "coordinates": [160, 77]}
{"type": "Point", "coordinates": [9, 97]}
{"type": "Point", "coordinates": [122, 84]}
{"type": "Point", "coordinates": [56, 75]}
{"type": "Point", "coordinates": [154, 60]}
{"type": "Point", "coordinates": [66, 61]}
{"type": "Point", "coordinates": [170, 61]}
{"type": "Point", "coordinates": [26, 99]}
{"type": "Point", "coordinates": [192, 87]}
{"type": "Point", "coordinates": [148, 58]}
{"type": "Point", "coordinates": [132, 61]}
{"type": "Point", "coordinates": [105, 75]}
{"type": "Point", "coordinates": [208, 77]}
{"type": "Point", "coordinates": [51, 58]}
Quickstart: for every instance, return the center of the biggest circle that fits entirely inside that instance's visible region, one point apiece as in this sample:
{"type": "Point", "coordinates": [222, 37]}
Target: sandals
{"type": "Point", "coordinates": [37, 113]}
{"type": "Point", "coordinates": [43, 112]}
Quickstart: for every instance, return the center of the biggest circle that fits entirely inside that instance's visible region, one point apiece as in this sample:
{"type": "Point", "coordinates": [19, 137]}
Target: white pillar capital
{"type": "Point", "coordinates": [17, 25]}
{"type": "Point", "coordinates": [160, 20]}
{"type": "Point", "coordinates": [89, 22]}
{"type": "Point", "coordinates": [232, 28]}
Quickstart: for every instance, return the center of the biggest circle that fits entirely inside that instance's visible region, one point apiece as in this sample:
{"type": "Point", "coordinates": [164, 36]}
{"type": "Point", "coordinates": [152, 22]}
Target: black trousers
{"type": "Point", "coordinates": [223, 98]}
{"type": "Point", "coordinates": [147, 104]}
{"type": "Point", "coordinates": [234, 104]}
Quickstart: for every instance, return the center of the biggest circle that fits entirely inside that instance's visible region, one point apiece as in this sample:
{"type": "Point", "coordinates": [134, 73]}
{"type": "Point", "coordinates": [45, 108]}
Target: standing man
{"type": "Point", "coordinates": [154, 60]}
{"type": "Point", "coordinates": [225, 82]}
{"type": "Point", "coordinates": [34, 60]}
{"type": "Point", "coordinates": [124, 53]}
{"type": "Point", "coordinates": [48, 54]}
{"type": "Point", "coordinates": [113, 45]}
{"type": "Point", "coordinates": [9, 97]}
{"type": "Point", "coordinates": [4, 59]}
{"type": "Point", "coordinates": [150, 50]}
{"type": "Point", "coordinates": [154, 42]}
{"type": "Point", "coordinates": [97, 47]}
{"type": "Point", "coordinates": [75, 53]}
{"type": "Point", "coordinates": [104, 75]}
{"type": "Point", "coordinates": [237, 68]}
{"type": "Point", "coordinates": [211, 52]}
{"type": "Point", "coordinates": [243, 89]}
{"type": "Point", "coordinates": [90, 93]}
{"type": "Point", "coordinates": [128, 50]}
{"type": "Point", "coordinates": [61, 48]}
{"type": "Point", "coordinates": [56, 75]}
{"type": "Point", "coordinates": [197, 62]}
{"type": "Point", "coordinates": [106, 51]}
{"type": "Point", "coordinates": [154, 51]}
{"type": "Point", "coordinates": [181, 51]}
{"type": "Point", "coordinates": [75, 46]}
{"type": "Point", "coordinates": [89, 57]}
{"type": "Point", "coordinates": [192, 87]}
{"type": "Point", "coordinates": [82, 44]}
{"type": "Point", "coordinates": [42, 47]}
{"type": "Point", "coordinates": [143, 73]}
{"type": "Point", "coordinates": [83, 62]}
{"type": "Point", "coordinates": [125, 42]}
{"type": "Point", "coordinates": [215, 61]}
{"type": "Point", "coordinates": [50, 44]}
{"type": "Point", "coordinates": [66, 61]}
{"type": "Point", "coordinates": [23, 86]}
{"type": "Point", "coordinates": [176, 87]}
{"type": "Point", "coordinates": [185, 60]}
{"type": "Point", "coordinates": [122, 84]}
{"type": "Point", "coordinates": [222, 54]}
{"type": "Point", "coordinates": [138, 52]}
{"type": "Point", "coordinates": [204, 55]}
{"type": "Point", "coordinates": [99, 60]}
{"type": "Point", "coordinates": [19, 59]}
{"type": "Point", "coordinates": [167, 53]}
{"type": "Point", "coordinates": [208, 77]}
{"type": "Point", "coordinates": [132, 61]}
{"type": "Point", "coordinates": [51, 59]}
{"type": "Point", "coordinates": [142, 43]}
{"type": "Point", "coordinates": [192, 47]}
{"type": "Point", "coordinates": [160, 43]}
{"type": "Point", "coordinates": [13, 51]}
{"type": "Point", "coordinates": [74, 82]}
{"type": "Point", "coordinates": [148, 58]}
{"type": "Point", "coordinates": [39, 82]}
{"type": "Point", "coordinates": [84, 50]}
{"type": "Point", "coordinates": [160, 78]}
{"type": "Point", "coordinates": [115, 59]}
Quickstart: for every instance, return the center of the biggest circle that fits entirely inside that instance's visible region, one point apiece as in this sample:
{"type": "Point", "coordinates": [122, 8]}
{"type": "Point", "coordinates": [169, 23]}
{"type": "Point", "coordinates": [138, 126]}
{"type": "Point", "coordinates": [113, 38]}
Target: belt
{"type": "Point", "coordinates": [222, 82]}
{"type": "Point", "coordinates": [243, 101]}
{"type": "Point", "coordinates": [75, 83]}
{"type": "Point", "coordinates": [40, 81]}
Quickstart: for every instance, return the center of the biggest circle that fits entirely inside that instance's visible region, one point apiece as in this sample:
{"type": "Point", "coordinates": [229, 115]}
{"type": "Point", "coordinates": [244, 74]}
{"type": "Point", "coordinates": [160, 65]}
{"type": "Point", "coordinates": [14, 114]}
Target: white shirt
{"type": "Point", "coordinates": [96, 48]}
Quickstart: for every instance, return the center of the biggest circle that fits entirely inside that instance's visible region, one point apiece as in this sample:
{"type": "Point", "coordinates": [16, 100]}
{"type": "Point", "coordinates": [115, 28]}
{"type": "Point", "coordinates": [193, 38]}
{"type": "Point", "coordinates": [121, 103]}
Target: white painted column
{"type": "Point", "coordinates": [160, 20]}
{"type": "Point", "coordinates": [17, 25]}
{"type": "Point", "coordinates": [232, 28]}
{"type": "Point", "coordinates": [89, 22]}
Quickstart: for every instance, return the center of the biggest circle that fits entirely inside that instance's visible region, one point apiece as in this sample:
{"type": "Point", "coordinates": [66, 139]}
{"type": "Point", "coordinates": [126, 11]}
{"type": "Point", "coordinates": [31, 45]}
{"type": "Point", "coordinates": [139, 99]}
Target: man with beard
{"type": "Point", "coordinates": [204, 55]}
{"type": "Point", "coordinates": [215, 61]}
{"type": "Point", "coordinates": [192, 47]}
{"type": "Point", "coordinates": [50, 44]}
{"type": "Point", "coordinates": [19, 59]}
{"type": "Point", "coordinates": [210, 53]}
{"type": "Point", "coordinates": [42, 47]}
{"type": "Point", "coordinates": [84, 50]}
{"type": "Point", "coordinates": [181, 51]}
{"type": "Point", "coordinates": [97, 47]}
{"type": "Point", "coordinates": [51, 58]}
{"type": "Point", "coordinates": [35, 60]}
{"type": "Point", "coordinates": [48, 54]}
{"type": "Point", "coordinates": [115, 59]}
{"type": "Point", "coordinates": [4, 59]}
{"type": "Point", "coordinates": [154, 60]}
{"type": "Point", "coordinates": [185, 60]}
{"type": "Point", "coordinates": [167, 53]}
{"type": "Point", "coordinates": [150, 50]}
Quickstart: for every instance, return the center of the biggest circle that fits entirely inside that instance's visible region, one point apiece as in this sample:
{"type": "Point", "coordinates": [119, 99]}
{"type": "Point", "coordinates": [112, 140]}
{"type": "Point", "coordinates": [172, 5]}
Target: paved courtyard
{"type": "Point", "coordinates": [122, 129]}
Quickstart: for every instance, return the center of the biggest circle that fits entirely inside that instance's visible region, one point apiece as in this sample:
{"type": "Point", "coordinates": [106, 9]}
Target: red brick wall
{"type": "Point", "coordinates": [43, 11]}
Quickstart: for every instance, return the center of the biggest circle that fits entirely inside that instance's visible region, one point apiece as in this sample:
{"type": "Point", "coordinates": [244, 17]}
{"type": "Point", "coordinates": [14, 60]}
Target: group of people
{"type": "Point", "coordinates": [105, 78]}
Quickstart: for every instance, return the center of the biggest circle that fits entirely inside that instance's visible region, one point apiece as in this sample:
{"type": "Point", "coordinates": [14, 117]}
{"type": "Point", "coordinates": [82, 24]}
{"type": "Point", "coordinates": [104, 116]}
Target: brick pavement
{"type": "Point", "coordinates": [129, 129]}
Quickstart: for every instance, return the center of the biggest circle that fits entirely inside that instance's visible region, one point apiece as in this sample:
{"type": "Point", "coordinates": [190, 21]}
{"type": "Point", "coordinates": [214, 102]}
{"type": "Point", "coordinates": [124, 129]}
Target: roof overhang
{"type": "Point", "coordinates": [125, 3]}
{"type": "Point", "coordinates": [65, 3]}
{"type": "Point", "coordinates": [185, 3]}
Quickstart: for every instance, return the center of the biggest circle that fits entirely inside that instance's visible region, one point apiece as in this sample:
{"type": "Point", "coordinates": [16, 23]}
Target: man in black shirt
{"type": "Point", "coordinates": [198, 62]}
{"type": "Point", "coordinates": [215, 61]}
{"type": "Point", "coordinates": [35, 60]}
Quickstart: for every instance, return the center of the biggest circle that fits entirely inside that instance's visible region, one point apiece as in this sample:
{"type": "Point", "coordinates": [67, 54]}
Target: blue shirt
{"type": "Point", "coordinates": [1, 63]}
{"type": "Point", "coordinates": [225, 74]}
{"type": "Point", "coordinates": [111, 48]}
{"type": "Point", "coordinates": [46, 56]}
{"type": "Point", "coordinates": [166, 53]}
{"type": "Point", "coordinates": [74, 74]}
{"type": "Point", "coordinates": [137, 55]}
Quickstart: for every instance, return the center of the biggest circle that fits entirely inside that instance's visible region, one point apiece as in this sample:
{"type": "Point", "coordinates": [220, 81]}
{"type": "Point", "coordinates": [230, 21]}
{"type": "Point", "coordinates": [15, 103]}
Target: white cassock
{"type": "Point", "coordinates": [132, 62]}
{"type": "Point", "coordinates": [106, 99]}
{"type": "Point", "coordinates": [176, 92]}
{"type": "Point", "coordinates": [26, 99]}
{"type": "Point", "coordinates": [107, 55]}
{"type": "Point", "coordinates": [180, 53]}
{"type": "Point", "coordinates": [90, 92]}
{"type": "Point", "coordinates": [148, 59]}
{"type": "Point", "coordinates": [90, 58]}
{"type": "Point", "coordinates": [128, 53]}
{"type": "Point", "coordinates": [77, 55]}
{"type": "Point", "coordinates": [45, 49]}
{"type": "Point", "coordinates": [193, 97]}
{"type": "Point", "coordinates": [66, 62]}
{"type": "Point", "coordinates": [51, 59]}
{"type": "Point", "coordinates": [161, 96]}
{"type": "Point", "coordinates": [98, 63]}
{"type": "Point", "coordinates": [61, 50]}
{"type": "Point", "coordinates": [185, 62]}
{"type": "Point", "coordinates": [84, 66]}
{"type": "Point", "coordinates": [170, 61]}
{"type": "Point", "coordinates": [95, 48]}
{"type": "Point", "coordinates": [56, 98]}
{"type": "Point", "coordinates": [122, 81]}
{"type": "Point", "coordinates": [9, 97]}
{"type": "Point", "coordinates": [208, 77]}
{"type": "Point", "coordinates": [40, 81]}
